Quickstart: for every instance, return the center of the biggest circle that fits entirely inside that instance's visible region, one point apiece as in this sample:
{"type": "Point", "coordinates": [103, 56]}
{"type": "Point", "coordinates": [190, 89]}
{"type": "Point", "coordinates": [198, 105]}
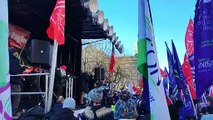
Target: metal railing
{"type": "Point", "coordinates": [69, 87]}
{"type": "Point", "coordinates": [45, 93]}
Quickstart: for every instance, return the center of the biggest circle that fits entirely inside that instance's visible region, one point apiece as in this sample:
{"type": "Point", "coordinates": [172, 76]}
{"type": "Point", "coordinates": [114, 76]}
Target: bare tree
{"type": "Point", "coordinates": [98, 55]}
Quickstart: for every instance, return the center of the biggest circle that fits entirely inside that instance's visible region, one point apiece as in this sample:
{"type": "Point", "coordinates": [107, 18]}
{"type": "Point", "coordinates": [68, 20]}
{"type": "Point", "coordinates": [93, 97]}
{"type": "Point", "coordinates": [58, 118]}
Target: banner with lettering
{"type": "Point", "coordinates": [5, 101]}
{"type": "Point", "coordinates": [17, 36]}
{"type": "Point", "coordinates": [148, 64]}
{"type": "Point", "coordinates": [203, 43]}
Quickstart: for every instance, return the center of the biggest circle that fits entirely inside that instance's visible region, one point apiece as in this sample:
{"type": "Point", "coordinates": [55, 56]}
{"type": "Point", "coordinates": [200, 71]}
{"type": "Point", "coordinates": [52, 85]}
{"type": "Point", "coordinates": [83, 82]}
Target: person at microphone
{"type": "Point", "coordinates": [60, 80]}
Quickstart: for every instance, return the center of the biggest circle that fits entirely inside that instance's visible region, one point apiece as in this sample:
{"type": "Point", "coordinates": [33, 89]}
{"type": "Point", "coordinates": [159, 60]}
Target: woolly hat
{"type": "Point", "coordinates": [63, 67]}
{"type": "Point", "coordinates": [69, 103]}
{"type": "Point", "coordinates": [96, 95]}
{"type": "Point", "coordinates": [125, 95]}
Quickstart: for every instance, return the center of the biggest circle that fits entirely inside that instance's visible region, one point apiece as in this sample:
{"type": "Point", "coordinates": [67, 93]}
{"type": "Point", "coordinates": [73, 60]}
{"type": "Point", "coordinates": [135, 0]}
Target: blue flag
{"type": "Point", "coordinates": [166, 85]}
{"type": "Point", "coordinates": [174, 93]}
{"type": "Point", "coordinates": [178, 69]}
{"type": "Point", "coordinates": [188, 109]}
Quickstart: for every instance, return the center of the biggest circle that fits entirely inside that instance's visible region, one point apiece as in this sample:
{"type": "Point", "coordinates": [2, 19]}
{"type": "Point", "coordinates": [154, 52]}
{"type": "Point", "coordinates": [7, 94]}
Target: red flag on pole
{"type": "Point", "coordinates": [188, 75]}
{"type": "Point", "coordinates": [189, 40]}
{"type": "Point", "coordinates": [56, 33]}
{"type": "Point", "coordinates": [57, 22]}
{"type": "Point", "coordinates": [112, 61]}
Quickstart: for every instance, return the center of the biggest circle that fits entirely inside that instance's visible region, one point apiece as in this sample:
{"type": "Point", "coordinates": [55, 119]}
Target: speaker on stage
{"type": "Point", "coordinates": [99, 73]}
{"type": "Point", "coordinates": [40, 52]}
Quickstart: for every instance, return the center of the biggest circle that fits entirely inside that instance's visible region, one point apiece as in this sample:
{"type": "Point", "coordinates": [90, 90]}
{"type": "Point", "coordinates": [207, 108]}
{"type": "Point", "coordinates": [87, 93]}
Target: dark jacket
{"type": "Point", "coordinates": [35, 113]}
{"type": "Point", "coordinates": [97, 113]}
{"type": "Point", "coordinates": [55, 109]}
{"type": "Point", "coordinates": [174, 110]}
{"type": "Point", "coordinates": [15, 68]}
{"type": "Point", "coordinates": [64, 114]}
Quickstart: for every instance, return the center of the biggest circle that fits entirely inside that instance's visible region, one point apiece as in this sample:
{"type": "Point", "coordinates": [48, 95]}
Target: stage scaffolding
{"type": "Point", "coordinates": [69, 87]}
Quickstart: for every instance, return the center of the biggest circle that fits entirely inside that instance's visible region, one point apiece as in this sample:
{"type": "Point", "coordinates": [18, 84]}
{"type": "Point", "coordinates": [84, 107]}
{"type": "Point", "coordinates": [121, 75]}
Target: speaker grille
{"type": "Point", "coordinates": [40, 52]}
{"type": "Point", "coordinates": [99, 73]}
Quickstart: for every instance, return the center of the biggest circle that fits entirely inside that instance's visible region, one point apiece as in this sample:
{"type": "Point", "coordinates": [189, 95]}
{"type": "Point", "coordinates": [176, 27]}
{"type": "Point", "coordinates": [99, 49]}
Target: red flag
{"type": "Point", "coordinates": [112, 61]}
{"type": "Point", "coordinates": [57, 22]}
{"type": "Point", "coordinates": [168, 100]}
{"type": "Point", "coordinates": [211, 91]}
{"type": "Point", "coordinates": [141, 83]}
{"type": "Point", "coordinates": [163, 74]}
{"type": "Point", "coordinates": [188, 75]}
{"type": "Point", "coordinates": [189, 40]}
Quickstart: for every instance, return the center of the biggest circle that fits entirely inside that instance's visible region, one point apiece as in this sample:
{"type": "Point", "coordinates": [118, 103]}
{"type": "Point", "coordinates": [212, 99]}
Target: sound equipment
{"type": "Point", "coordinates": [40, 52]}
{"type": "Point", "coordinates": [99, 73]}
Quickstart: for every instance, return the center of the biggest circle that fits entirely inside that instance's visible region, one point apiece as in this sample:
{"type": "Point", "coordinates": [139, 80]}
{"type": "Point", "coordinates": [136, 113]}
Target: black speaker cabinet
{"type": "Point", "coordinates": [41, 52]}
{"type": "Point", "coordinates": [99, 73]}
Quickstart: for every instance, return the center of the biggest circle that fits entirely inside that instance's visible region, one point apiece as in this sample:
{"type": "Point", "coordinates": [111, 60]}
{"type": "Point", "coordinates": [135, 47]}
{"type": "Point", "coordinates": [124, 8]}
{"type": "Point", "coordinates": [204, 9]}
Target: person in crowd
{"type": "Point", "coordinates": [83, 86]}
{"type": "Point", "coordinates": [60, 80]}
{"type": "Point", "coordinates": [56, 107]}
{"type": "Point", "coordinates": [16, 82]}
{"type": "Point", "coordinates": [209, 100]}
{"type": "Point", "coordinates": [67, 111]}
{"type": "Point", "coordinates": [207, 117]}
{"type": "Point", "coordinates": [96, 111]}
{"type": "Point", "coordinates": [174, 110]}
{"type": "Point", "coordinates": [125, 107]}
{"type": "Point", "coordinates": [209, 108]}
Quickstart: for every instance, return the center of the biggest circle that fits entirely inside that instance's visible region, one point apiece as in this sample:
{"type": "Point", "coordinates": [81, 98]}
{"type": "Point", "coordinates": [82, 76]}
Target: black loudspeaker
{"type": "Point", "coordinates": [41, 52]}
{"type": "Point", "coordinates": [99, 73]}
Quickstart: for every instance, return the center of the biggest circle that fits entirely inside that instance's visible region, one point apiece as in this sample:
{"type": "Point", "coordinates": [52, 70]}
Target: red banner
{"type": "Point", "coordinates": [211, 91]}
{"type": "Point", "coordinates": [188, 75]}
{"type": "Point", "coordinates": [57, 22]}
{"type": "Point", "coordinates": [17, 36]}
{"type": "Point", "coordinates": [112, 61]}
{"type": "Point", "coordinates": [163, 74]}
{"type": "Point", "coordinates": [189, 40]}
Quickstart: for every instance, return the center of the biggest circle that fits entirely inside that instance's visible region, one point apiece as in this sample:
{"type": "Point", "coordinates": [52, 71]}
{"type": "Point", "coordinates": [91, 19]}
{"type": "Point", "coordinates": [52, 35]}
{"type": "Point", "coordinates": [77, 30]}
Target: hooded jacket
{"type": "Point", "coordinates": [97, 113]}
{"type": "Point", "coordinates": [64, 114]}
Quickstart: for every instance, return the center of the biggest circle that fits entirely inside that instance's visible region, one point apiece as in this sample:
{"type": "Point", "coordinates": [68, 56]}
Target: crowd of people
{"type": "Point", "coordinates": [123, 108]}
{"type": "Point", "coordinates": [99, 103]}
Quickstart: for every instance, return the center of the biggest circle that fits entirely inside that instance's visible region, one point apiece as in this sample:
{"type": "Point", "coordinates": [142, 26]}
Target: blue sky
{"type": "Point", "coordinates": [170, 20]}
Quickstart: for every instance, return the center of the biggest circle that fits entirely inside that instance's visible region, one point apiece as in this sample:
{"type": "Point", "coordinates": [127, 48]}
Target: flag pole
{"type": "Point", "coordinates": [192, 101]}
{"type": "Point", "coordinates": [52, 75]}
